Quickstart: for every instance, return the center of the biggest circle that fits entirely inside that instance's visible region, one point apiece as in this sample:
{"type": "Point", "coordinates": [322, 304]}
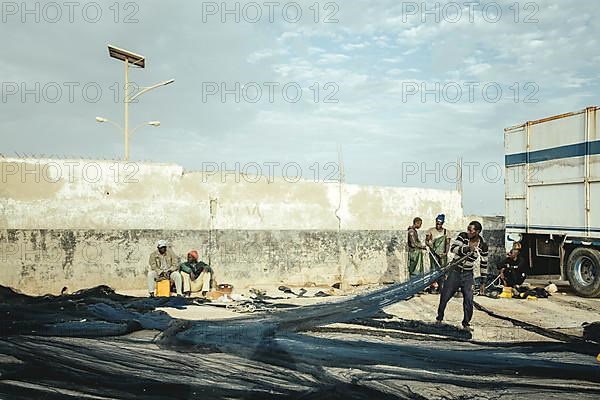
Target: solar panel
{"type": "Point", "coordinates": [120, 54]}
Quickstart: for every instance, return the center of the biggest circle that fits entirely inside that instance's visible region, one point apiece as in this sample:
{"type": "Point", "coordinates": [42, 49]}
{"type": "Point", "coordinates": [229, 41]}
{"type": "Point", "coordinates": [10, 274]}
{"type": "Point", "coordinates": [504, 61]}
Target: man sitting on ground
{"type": "Point", "coordinates": [196, 275]}
{"type": "Point", "coordinates": [513, 269]}
{"type": "Point", "coordinates": [163, 266]}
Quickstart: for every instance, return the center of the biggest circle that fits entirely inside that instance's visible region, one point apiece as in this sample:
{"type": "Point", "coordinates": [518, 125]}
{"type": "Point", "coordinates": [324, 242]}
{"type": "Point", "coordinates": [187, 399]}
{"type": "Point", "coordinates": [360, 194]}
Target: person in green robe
{"type": "Point", "coordinates": [415, 249]}
{"type": "Point", "coordinates": [438, 242]}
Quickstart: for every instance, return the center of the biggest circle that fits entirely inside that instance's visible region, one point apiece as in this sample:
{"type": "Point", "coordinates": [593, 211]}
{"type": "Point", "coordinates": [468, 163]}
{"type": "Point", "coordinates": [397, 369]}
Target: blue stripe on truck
{"type": "Point", "coordinates": [554, 228]}
{"type": "Point", "coordinates": [516, 159]}
{"type": "Point", "coordinates": [555, 153]}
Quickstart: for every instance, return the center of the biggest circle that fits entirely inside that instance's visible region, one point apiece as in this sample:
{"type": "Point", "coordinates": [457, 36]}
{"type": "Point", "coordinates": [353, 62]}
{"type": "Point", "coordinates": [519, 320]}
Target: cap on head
{"type": "Point", "coordinates": [194, 254]}
{"type": "Point", "coordinates": [440, 218]}
{"type": "Point", "coordinates": [161, 243]}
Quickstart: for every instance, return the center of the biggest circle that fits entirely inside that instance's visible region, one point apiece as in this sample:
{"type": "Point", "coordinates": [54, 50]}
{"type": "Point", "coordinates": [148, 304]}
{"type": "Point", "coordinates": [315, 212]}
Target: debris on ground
{"type": "Point", "coordinates": [300, 352]}
{"type": "Point", "coordinates": [551, 288]}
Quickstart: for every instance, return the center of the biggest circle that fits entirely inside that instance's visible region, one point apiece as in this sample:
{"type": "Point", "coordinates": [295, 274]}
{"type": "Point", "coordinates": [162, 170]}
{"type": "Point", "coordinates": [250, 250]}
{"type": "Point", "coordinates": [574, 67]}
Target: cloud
{"type": "Point", "coordinates": [260, 55]}
{"type": "Point", "coordinates": [365, 58]}
{"type": "Point", "coordinates": [354, 46]}
{"type": "Point", "coordinates": [333, 59]}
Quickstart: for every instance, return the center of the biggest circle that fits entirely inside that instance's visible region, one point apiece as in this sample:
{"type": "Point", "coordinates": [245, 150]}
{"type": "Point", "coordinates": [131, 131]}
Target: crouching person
{"type": "Point", "coordinates": [196, 275]}
{"type": "Point", "coordinates": [163, 265]}
{"type": "Point", "coordinates": [513, 272]}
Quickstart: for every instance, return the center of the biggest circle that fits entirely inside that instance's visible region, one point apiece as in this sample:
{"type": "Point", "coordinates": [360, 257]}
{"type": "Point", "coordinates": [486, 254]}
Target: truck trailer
{"type": "Point", "coordinates": [552, 197]}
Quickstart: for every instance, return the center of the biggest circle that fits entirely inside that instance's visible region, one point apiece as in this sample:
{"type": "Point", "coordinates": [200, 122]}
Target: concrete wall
{"type": "Point", "coordinates": [80, 223]}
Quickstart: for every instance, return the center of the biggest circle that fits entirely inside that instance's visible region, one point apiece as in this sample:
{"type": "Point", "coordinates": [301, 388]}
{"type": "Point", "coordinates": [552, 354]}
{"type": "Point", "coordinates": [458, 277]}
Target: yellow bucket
{"type": "Point", "coordinates": [163, 288]}
{"type": "Point", "coordinates": [506, 293]}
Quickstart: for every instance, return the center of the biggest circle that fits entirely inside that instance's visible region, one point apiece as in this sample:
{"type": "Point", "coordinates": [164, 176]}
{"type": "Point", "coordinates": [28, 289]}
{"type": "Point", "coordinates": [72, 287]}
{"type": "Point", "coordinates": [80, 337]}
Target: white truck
{"type": "Point", "coordinates": [552, 195]}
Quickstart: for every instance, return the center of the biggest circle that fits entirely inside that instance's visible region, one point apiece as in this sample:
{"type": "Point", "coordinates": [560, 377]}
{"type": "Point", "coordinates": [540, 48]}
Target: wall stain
{"type": "Point", "coordinates": [68, 243]}
{"type": "Point", "coordinates": [43, 240]}
{"type": "Point", "coordinates": [11, 235]}
{"type": "Point", "coordinates": [33, 240]}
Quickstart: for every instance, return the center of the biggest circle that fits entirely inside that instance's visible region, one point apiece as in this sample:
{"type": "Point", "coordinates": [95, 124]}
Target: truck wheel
{"type": "Point", "coordinates": [583, 271]}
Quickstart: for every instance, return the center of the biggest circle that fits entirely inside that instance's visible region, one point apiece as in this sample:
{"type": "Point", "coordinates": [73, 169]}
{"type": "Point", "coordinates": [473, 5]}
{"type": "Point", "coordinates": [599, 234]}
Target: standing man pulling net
{"type": "Point", "coordinates": [470, 244]}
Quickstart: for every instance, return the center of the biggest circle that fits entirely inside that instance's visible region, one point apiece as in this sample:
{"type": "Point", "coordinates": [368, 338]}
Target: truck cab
{"type": "Point", "coordinates": [552, 197]}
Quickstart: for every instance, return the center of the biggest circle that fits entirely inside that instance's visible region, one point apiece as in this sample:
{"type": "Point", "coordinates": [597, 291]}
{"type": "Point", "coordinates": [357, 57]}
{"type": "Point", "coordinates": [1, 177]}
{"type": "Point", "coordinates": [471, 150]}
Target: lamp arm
{"type": "Point", "coordinates": [145, 90]}
{"type": "Point", "coordinates": [137, 128]}
{"type": "Point", "coordinates": [119, 127]}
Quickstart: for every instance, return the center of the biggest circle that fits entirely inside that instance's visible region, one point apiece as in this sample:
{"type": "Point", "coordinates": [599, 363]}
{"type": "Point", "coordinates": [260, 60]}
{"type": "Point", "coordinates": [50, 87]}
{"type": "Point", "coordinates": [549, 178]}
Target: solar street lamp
{"type": "Point", "coordinates": [138, 61]}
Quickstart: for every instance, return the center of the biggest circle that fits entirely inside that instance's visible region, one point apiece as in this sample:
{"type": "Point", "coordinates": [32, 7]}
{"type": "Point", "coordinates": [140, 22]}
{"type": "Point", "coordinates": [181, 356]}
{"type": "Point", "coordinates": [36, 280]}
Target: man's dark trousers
{"type": "Point", "coordinates": [458, 279]}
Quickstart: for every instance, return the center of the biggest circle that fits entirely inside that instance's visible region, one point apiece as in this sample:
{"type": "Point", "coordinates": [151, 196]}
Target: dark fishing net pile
{"type": "Point", "coordinates": [98, 344]}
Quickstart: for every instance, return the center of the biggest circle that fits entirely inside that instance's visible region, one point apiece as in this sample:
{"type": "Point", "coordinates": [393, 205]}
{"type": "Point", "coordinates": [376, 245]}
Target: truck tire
{"type": "Point", "coordinates": [583, 271]}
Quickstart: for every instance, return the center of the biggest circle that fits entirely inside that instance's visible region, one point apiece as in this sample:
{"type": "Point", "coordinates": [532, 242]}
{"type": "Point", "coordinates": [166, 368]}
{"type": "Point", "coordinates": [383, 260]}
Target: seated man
{"type": "Point", "coordinates": [196, 275]}
{"type": "Point", "coordinates": [162, 266]}
{"type": "Point", "coordinates": [513, 269]}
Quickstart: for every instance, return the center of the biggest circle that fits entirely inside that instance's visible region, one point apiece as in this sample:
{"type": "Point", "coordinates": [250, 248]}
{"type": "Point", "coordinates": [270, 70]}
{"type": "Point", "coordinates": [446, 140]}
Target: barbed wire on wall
{"type": "Point", "coordinates": [44, 156]}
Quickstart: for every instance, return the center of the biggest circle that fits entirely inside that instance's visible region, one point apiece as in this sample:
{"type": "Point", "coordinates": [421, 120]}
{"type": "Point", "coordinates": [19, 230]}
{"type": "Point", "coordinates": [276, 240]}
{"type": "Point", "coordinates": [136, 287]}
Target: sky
{"type": "Point", "coordinates": [398, 91]}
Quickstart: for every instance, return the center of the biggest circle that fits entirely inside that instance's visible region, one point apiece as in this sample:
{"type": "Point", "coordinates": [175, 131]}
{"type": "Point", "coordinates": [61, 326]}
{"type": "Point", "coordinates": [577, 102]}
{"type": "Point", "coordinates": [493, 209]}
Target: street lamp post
{"type": "Point", "coordinates": [126, 100]}
{"type": "Point", "coordinates": [139, 61]}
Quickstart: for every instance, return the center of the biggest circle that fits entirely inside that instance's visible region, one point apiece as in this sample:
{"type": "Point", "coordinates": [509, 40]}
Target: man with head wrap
{"type": "Point", "coordinates": [438, 241]}
{"type": "Point", "coordinates": [196, 275]}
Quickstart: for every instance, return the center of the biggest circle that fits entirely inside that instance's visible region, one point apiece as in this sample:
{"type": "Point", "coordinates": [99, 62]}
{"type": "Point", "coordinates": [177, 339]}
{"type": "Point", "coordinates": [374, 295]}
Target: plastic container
{"type": "Point", "coordinates": [163, 288]}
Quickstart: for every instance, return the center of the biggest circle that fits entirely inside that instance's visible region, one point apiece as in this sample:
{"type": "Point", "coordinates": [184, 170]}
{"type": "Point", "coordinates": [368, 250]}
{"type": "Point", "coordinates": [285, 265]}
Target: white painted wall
{"type": "Point", "coordinates": [107, 195]}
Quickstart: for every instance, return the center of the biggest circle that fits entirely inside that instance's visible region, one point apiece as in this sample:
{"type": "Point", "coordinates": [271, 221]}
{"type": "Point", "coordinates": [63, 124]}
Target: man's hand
{"type": "Point", "coordinates": [163, 276]}
{"type": "Point", "coordinates": [466, 250]}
